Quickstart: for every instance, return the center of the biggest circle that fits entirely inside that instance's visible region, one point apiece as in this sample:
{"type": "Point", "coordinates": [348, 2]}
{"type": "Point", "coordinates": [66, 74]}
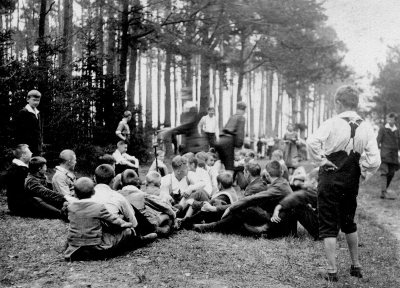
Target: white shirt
{"type": "Point", "coordinates": [115, 203]}
{"type": "Point", "coordinates": [334, 135]}
{"type": "Point", "coordinates": [394, 128]}
{"type": "Point", "coordinates": [30, 109]}
{"type": "Point", "coordinates": [209, 124]}
{"type": "Point", "coordinates": [201, 175]}
{"type": "Point", "coordinates": [170, 184]}
{"type": "Point", "coordinates": [125, 159]}
{"type": "Point", "coordinates": [19, 163]}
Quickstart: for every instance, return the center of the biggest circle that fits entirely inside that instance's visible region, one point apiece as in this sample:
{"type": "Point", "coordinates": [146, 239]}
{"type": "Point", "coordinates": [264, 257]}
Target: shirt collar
{"type": "Point", "coordinates": [30, 109]}
{"type": "Point", "coordinates": [19, 163]}
{"type": "Point", "coordinates": [62, 169]}
{"type": "Point", "coordinates": [394, 128]}
{"type": "Point", "coordinates": [348, 114]}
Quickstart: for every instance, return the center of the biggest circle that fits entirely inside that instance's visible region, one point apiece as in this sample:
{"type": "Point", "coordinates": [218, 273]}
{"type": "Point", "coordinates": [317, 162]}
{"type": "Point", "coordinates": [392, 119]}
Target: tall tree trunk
{"type": "Point", "coordinates": [303, 107]}
{"type": "Point", "coordinates": [41, 40]}
{"type": "Point", "coordinates": [167, 82]}
{"type": "Point", "coordinates": [205, 84]}
{"type": "Point", "coordinates": [66, 58]}
{"type": "Point", "coordinates": [100, 40]}
{"type": "Point", "coordinates": [270, 80]}
{"type": "Point", "coordinates": [60, 29]}
{"type": "Point", "coordinates": [159, 72]}
{"type": "Point", "coordinates": [278, 110]}
{"type": "Point", "coordinates": [139, 76]}
{"type": "Point", "coordinates": [221, 98]}
{"type": "Point", "coordinates": [241, 67]}
{"type": "Point", "coordinates": [132, 79]}
{"type": "Point", "coordinates": [175, 89]}
{"type": "Point", "coordinates": [251, 106]}
{"type": "Point", "coordinates": [261, 119]}
{"type": "Point", "coordinates": [149, 92]}
{"type": "Point", "coordinates": [111, 39]}
{"type": "Point", "coordinates": [124, 42]}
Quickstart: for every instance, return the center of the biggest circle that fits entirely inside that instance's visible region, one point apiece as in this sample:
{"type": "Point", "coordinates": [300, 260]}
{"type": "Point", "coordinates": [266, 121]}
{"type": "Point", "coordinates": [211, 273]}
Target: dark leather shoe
{"type": "Point", "coordinates": [355, 271]}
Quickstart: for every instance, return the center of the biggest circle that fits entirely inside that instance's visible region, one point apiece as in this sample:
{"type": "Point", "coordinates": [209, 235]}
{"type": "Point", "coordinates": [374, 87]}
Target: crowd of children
{"type": "Point", "coordinates": [117, 211]}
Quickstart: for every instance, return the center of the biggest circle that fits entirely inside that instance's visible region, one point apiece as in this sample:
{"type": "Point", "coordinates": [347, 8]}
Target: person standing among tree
{"type": "Point", "coordinates": [123, 131]}
{"type": "Point", "coordinates": [232, 136]}
{"type": "Point", "coordinates": [345, 148]}
{"type": "Point", "coordinates": [290, 151]}
{"type": "Point", "coordinates": [389, 141]}
{"type": "Point", "coordinates": [209, 126]}
{"type": "Point", "coordinates": [28, 125]}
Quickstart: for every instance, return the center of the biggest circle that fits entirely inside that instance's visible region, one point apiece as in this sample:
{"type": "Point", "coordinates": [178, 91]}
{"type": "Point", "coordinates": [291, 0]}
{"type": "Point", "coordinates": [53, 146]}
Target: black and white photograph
{"type": "Point", "coordinates": [199, 143]}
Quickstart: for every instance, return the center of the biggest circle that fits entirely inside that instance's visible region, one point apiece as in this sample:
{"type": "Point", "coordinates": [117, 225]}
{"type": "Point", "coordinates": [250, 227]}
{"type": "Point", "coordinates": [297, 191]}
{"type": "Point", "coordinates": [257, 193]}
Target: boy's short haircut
{"type": "Point", "coordinates": [193, 160]}
{"type": "Point", "coordinates": [104, 174]}
{"type": "Point", "coordinates": [278, 153]}
{"type": "Point", "coordinates": [107, 159]}
{"type": "Point", "coordinates": [254, 169]}
{"type": "Point", "coordinates": [129, 177]}
{"type": "Point", "coordinates": [225, 179]}
{"type": "Point", "coordinates": [153, 177]}
{"type": "Point", "coordinates": [36, 163]}
{"type": "Point", "coordinates": [210, 109]}
{"type": "Point", "coordinates": [34, 94]}
{"type": "Point", "coordinates": [274, 168]}
{"type": "Point", "coordinates": [120, 143]}
{"type": "Point", "coordinates": [84, 188]}
{"type": "Point", "coordinates": [241, 105]}
{"type": "Point", "coordinates": [20, 150]}
{"type": "Point", "coordinates": [348, 95]}
{"type": "Point", "coordinates": [160, 153]}
{"type": "Point", "coordinates": [127, 114]}
{"type": "Point", "coordinates": [178, 161]}
{"type": "Point", "coordinates": [392, 115]}
{"type": "Point", "coordinates": [202, 156]}
{"type": "Point", "coordinates": [188, 155]}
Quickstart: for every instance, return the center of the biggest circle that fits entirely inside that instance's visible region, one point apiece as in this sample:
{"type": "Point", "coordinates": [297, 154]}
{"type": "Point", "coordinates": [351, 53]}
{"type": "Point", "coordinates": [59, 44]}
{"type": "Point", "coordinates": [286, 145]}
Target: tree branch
{"type": "Point", "coordinates": [51, 6]}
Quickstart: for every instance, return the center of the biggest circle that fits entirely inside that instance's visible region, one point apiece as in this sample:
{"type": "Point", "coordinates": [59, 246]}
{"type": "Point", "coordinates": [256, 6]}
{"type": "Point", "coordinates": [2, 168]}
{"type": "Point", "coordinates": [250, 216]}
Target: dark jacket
{"type": "Point", "coordinates": [35, 186]}
{"type": "Point", "coordinates": [266, 200]}
{"type": "Point", "coordinates": [15, 181]}
{"type": "Point", "coordinates": [255, 186]}
{"type": "Point", "coordinates": [389, 142]}
{"type": "Point", "coordinates": [235, 127]}
{"type": "Point", "coordinates": [27, 131]}
{"type": "Point", "coordinates": [85, 226]}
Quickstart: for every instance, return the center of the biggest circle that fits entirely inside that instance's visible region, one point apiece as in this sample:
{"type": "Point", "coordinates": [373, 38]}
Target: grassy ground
{"type": "Point", "coordinates": [31, 256]}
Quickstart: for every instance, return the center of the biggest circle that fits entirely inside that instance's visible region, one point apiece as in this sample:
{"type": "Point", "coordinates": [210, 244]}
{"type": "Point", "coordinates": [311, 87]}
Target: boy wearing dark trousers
{"type": "Point", "coordinates": [389, 141]}
{"type": "Point", "coordinates": [345, 148]}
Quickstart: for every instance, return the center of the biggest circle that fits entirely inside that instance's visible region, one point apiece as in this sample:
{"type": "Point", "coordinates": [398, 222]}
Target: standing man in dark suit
{"type": "Point", "coordinates": [27, 124]}
{"type": "Point", "coordinates": [232, 137]}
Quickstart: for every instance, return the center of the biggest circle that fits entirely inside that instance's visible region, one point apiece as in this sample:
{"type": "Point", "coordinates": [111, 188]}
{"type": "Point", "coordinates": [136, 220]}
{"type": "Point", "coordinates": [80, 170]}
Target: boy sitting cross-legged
{"type": "Point", "coordinates": [86, 238]}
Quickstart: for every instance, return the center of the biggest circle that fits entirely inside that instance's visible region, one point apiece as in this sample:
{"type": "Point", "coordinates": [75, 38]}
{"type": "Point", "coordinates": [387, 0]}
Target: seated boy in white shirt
{"type": "Point", "coordinates": [123, 160]}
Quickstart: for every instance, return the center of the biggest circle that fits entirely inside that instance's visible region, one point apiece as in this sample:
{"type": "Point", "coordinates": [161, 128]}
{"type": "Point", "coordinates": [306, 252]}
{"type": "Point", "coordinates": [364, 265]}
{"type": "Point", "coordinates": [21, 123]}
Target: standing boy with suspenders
{"type": "Point", "coordinates": [345, 148]}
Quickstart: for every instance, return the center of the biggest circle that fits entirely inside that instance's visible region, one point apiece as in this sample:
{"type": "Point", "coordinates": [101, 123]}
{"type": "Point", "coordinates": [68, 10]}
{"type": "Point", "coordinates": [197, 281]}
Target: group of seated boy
{"type": "Point", "coordinates": [115, 212]}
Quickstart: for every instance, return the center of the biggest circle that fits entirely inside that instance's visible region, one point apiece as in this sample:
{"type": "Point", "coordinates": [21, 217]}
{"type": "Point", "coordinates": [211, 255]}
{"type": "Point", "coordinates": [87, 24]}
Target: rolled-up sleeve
{"type": "Point", "coordinates": [316, 141]}
{"type": "Point", "coordinates": [370, 159]}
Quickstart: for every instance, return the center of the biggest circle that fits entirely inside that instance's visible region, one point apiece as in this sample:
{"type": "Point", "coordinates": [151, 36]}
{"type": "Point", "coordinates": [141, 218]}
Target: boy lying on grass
{"type": "Point", "coordinates": [251, 215]}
